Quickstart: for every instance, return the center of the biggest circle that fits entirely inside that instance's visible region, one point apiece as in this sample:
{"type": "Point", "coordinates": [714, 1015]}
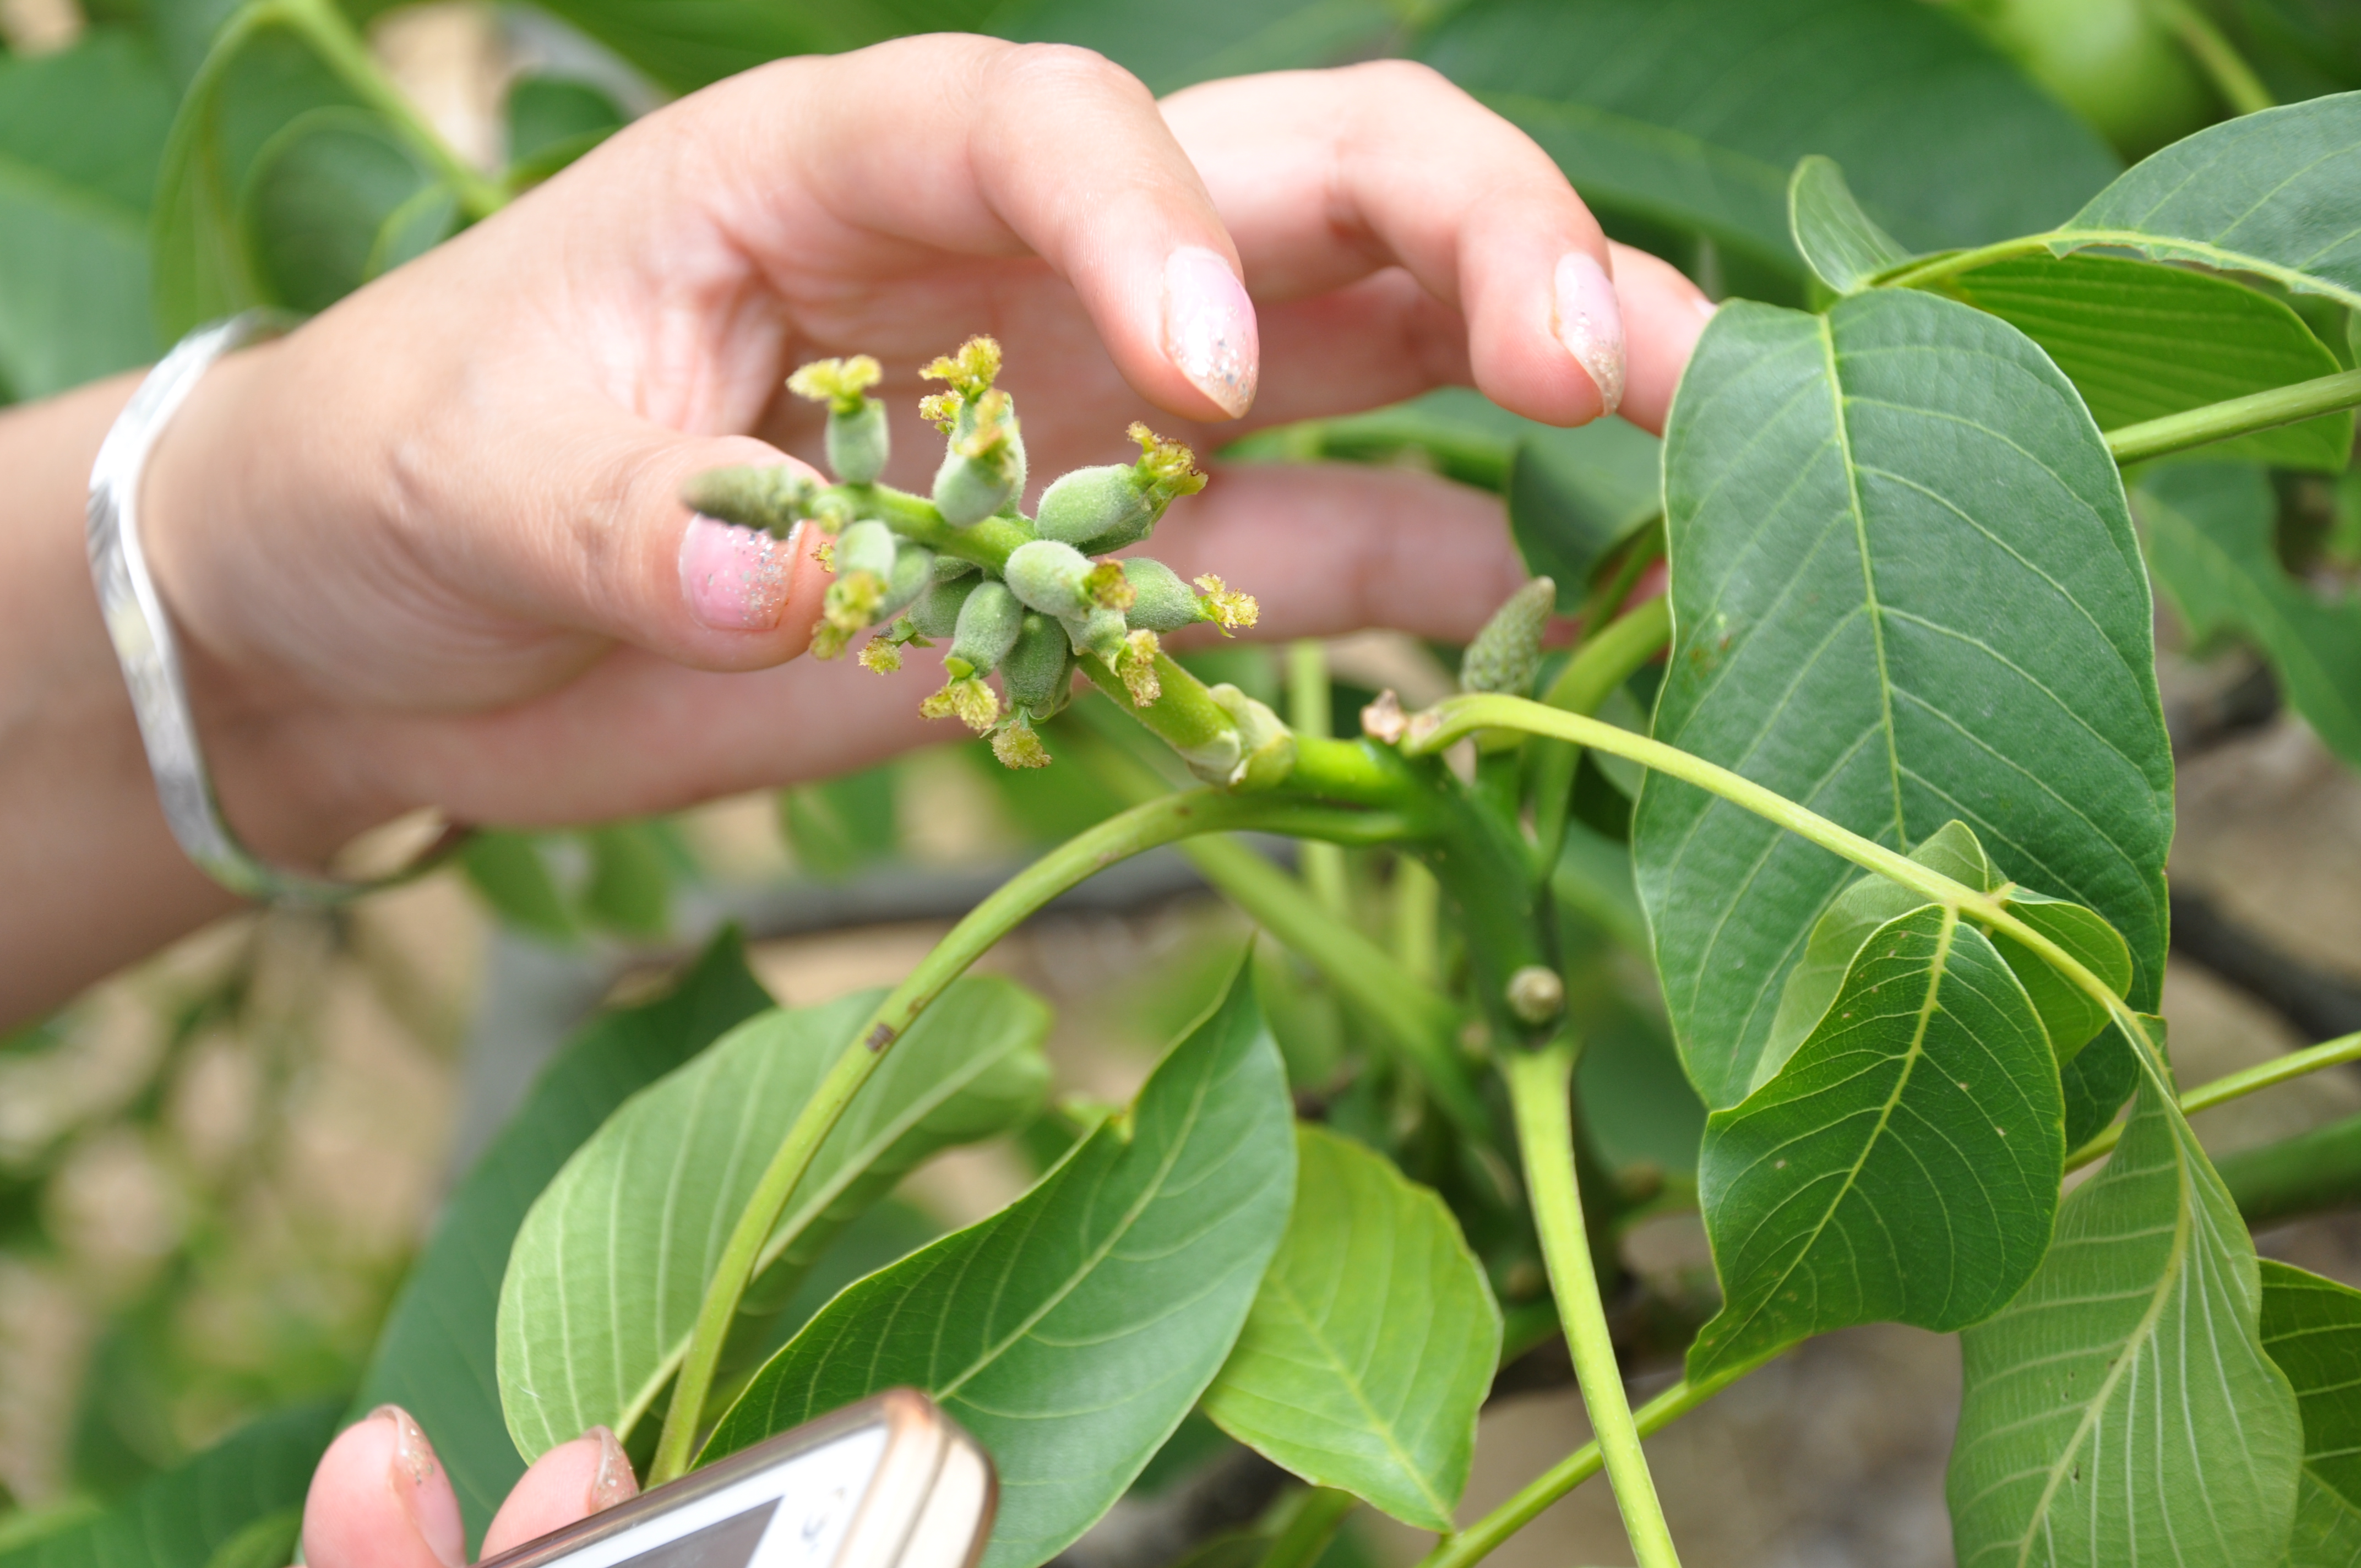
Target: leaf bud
{"type": "Point", "coordinates": [1160, 600]}
{"type": "Point", "coordinates": [984, 468]}
{"type": "Point", "coordinates": [1016, 745]}
{"type": "Point", "coordinates": [1537, 995]}
{"type": "Point", "coordinates": [770, 498]}
{"type": "Point", "coordinates": [1040, 670]}
{"type": "Point", "coordinates": [1507, 655]}
{"type": "Point", "coordinates": [936, 612]}
{"type": "Point", "coordinates": [988, 624]}
{"type": "Point", "coordinates": [1049, 576]}
{"type": "Point", "coordinates": [1266, 745]}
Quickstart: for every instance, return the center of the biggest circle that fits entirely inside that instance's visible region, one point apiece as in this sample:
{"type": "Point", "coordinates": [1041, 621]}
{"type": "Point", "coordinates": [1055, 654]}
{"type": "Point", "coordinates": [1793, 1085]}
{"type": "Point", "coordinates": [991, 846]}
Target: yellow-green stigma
{"type": "Point", "coordinates": [838, 383]}
{"type": "Point", "coordinates": [1228, 608]}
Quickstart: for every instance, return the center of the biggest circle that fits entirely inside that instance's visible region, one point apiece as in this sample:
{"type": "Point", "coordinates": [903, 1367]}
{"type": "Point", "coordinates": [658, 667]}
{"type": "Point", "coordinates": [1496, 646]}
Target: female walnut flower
{"type": "Point", "coordinates": [1031, 600]}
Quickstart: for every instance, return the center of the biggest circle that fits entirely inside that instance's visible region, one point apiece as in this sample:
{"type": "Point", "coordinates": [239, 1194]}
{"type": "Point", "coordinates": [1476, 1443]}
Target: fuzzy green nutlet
{"type": "Point", "coordinates": [867, 546]}
{"type": "Point", "coordinates": [857, 436]}
{"type": "Point", "coordinates": [912, 574]}
{"type": "Point", "coordinates": [935, 612]}
{"type": "Point", "coordinates": [1094, 509]}
{"type": "Point", "coordinates": [1100, 632]}
{"type": "Point", "coordinates": [1507, 654]}
{"type": "Point", "coordinates": [988, 625]}
{"type": "Point", "coordinates": [1048, 577]}
{"type": "Point", "coordinates": [1160, 600]}
{"type": "Point", "coordinates": [771, 499]}
{"type": "Point", "coordinates": [1040, 670]}
{"type": "Point", "coordinates": [983, 469]}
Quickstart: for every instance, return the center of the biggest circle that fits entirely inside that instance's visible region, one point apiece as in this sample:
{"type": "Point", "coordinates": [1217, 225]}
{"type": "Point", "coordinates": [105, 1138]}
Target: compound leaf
{"type": "Point", "coordinates": [2122, 1408]}
{"type": "Point", "coordinates": [436, 1358]}
{"type": "Point", "coordinates": [2271, 194]}
{"type": "Point", "coordinates": [1842, 244]}
{"type": "Point", "coordinates": [1073, 1330]}
{"type": "Point", "coordinates": [244, 1484]}
{"type": "Point", "coordinates": [2141, 341]}
{"type": "Point", "coordinates": [1691, 113]}
{"type": "Point", "coordinates": [611, 1263]}
{"type": "Point", "coordinates": [2209, 539]}
{"type": "Point", "coordinates": [1905, 591]}
{"type": "Point", "coordinates": [1372, 1343]}
{"type": "Point", "coordinates": [2312, 1327]}
{"type": "Point", "coordinates": [1902, 1167]}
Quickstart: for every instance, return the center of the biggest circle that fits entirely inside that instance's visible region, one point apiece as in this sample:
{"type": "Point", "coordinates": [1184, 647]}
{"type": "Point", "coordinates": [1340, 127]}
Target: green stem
{"type": "Point", "coordinates": [1312, 1526]}
{"type": "Point", "coordinates": [1539, 1085]}
{"type": "Point", "coordinates": [1610, 658]}
{"type": "Point", "coordinates": [1308, 714]}
{"type": "Point", "coordinates": [1445, 722]}
{"type": "Point", "coordinates": [988, 543]}
{"type": "Point", "coordinates": [1161, 821]}
{"type": "Point", "coordinates": [2216, 56]}
{"type": "Point", "coordinates": [2235, 417]}
{"type": "Point", "coordinates": [2233, 1086]}
{"type": "Point", "coordinates": [1951, 263]}
{"type": "Point", "coordinates": [1420, 1019]}
{"type": "Point", "coordinates": [1478, 1540]}
{"type": "Point", "coordinates": [324, 29]}
{"type": "Point", "coordinates": [1417, 899]}
{"type": "Point", "coordinates": [2301, 1175]}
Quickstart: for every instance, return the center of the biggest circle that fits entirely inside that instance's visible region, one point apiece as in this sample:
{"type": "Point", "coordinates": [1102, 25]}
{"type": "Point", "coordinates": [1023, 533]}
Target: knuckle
{"type": "Point", "coordinates": [1058, 72]}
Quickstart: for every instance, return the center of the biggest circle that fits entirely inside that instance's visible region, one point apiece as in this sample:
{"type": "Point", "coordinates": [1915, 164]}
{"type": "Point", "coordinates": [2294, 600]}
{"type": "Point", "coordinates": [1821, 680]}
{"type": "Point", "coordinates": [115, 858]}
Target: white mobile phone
{"type": "Point", "coordinates": [889, 1483]}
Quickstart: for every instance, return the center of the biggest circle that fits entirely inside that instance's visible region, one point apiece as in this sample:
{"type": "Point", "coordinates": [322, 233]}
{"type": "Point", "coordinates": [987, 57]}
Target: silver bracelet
{"type": "Point", "coordinates": [142, 635]}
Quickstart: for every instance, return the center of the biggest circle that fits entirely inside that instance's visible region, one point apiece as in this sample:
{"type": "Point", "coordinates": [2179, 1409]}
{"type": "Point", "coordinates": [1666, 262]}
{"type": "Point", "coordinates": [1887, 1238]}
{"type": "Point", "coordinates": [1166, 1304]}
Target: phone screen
{"type": "Point", "coordinates": [790, 1515]}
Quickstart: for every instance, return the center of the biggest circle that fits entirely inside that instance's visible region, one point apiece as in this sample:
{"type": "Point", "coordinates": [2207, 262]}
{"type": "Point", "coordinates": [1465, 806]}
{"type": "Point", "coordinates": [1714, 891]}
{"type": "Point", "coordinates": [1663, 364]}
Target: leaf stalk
{"type": "Point", "coordinates": [1161, 821]}
{"type": "Point", "coordinates": [2235, 417]}
{"type": "Point", "coordinates": [1540, 1087]}
{"type": "Point", "coordinates": [2233, 1086]}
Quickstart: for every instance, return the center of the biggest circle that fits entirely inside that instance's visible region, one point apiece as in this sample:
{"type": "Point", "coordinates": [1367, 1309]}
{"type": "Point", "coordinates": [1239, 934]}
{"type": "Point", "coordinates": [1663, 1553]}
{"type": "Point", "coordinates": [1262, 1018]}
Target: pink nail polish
{"type": "Point", "coordinates": [735, 578]}
{"type": "Point", "coordinates": [433, 1511]}
{"type": "Point", "coordinates": [1590, 324]}
{"type": "Point", "coordinates": [614, 1483]}
{"type": "Point", "coordinates": [1209, 328]}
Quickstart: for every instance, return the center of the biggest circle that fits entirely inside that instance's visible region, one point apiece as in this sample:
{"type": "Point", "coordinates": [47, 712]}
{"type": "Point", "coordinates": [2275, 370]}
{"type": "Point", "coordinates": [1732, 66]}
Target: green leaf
{"type": "Point", "coordinates": [81, 132]}
{"type": "Point", "coordinates": [631, 881]}
{"type": "Point", "coordinates": [1905, 591]}
{"type": "Point", "coordinates": [2100, 1078]}
{"type": "Point", "coordinates": [2122, 1408]}
{"type": "Point", "coordinates": [1220, 38]}
{"type": "Point", "coordinates": [2271, 194]}
{"type": "Point", "coordinates": [2141, 341]}
{"type": "Point", "coordinates": [609, 1267]}
{"type": "Point", "coordinates": [1574, 496]}
{"type": "Point", "coordinates": [2209, 539]}
{"type": "Point", "coordinates": [1842, 244]}
{"type": "Point", "coordinates": [550, 118]}
{"type": "Point", "coordinates": [1902, 1168]}
{"type": "Point", "coordinates": [258, 78]}
{"type": "Point", "coordinates": [685, 46]}
{"type": "Point", "coordinates": [1691, 113]}
{"type": "Point", "coordinates": [508, 871]}
{"type": "Point", "coordinates": [840, 824]}
{"type": "Point", "coordinates": [2311, 1328]}
{"type": "Point", "coordinates": [1372, 1343]}
{"type": "Point", "coordinates": [436, 1358]}
{"type": "Point", "coordinates": [1072, 1330]}
{"type": "Point", "coordinates": [183, 1516]}
{"type": "Point", "coordinates": [336, 198]}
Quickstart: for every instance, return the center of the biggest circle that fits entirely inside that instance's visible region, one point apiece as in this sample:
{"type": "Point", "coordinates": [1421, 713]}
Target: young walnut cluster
{"type": "Point", "coordinates": [1023, 597]}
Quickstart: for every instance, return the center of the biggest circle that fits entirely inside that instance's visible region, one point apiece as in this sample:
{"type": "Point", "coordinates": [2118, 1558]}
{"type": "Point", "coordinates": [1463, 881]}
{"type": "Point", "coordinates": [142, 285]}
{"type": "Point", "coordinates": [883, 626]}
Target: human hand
{"type": "Point", "coordinates": [380, 1500]}
{"type": "Point", "coordinates": [427, 550]}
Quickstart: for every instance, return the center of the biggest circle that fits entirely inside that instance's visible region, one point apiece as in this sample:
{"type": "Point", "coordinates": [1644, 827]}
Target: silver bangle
{"type": "Point", "coordinates": [142, 634]}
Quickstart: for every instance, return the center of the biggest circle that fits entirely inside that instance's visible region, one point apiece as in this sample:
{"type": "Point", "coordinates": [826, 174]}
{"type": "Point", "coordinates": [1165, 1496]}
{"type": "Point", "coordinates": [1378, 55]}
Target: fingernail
{"type": "Point", "coordinates": [614, 1483]}
{"type": "Point", "coordinates": [735, 578]}
{"type": "Point", "coordinates": [433, 1510]}
{"type": "Point", "coordinates": [1209, 328]}
{"type": "Point", "coordinates": [1590, 324]}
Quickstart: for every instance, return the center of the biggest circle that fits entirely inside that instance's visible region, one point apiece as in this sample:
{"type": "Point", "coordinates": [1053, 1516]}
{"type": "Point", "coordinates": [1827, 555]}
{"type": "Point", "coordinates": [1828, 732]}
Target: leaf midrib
{"type": "Point", "coordinates": [1937, 965]}
{"type": "Point", "coordinates": [1184, 1133]}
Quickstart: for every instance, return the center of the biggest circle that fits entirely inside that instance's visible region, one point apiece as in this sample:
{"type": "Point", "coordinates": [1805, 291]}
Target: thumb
{"type": "Point", "coordinates": [380, 1499]}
